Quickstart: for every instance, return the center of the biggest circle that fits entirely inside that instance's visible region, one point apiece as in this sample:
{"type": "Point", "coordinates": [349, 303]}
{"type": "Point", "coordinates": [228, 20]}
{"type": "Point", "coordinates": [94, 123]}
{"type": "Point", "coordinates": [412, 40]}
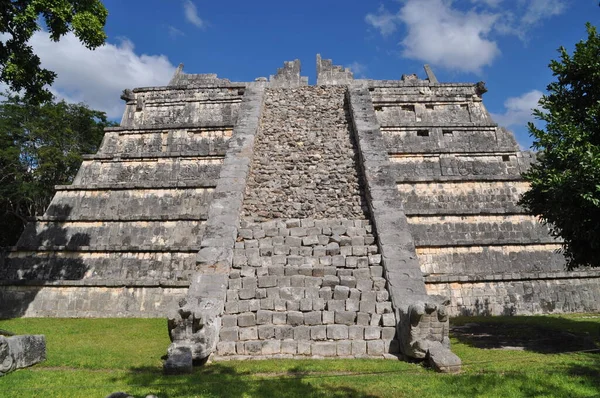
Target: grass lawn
{"type": "Point", "coordinates": [94, 357]}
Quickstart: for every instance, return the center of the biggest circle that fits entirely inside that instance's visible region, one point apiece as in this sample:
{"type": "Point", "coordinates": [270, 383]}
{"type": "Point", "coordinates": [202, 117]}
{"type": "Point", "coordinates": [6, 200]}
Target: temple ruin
{"type": "Point", "coordinates": [277, 219]}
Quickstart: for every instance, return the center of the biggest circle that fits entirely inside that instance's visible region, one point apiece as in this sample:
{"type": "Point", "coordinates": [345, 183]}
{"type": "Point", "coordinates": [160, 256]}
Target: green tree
{"type": "Point", "coordinates": [40, 146]}
{"type": "Point", "coordinates": [19, 19]}
{"type": "Point", "coordinates": [565, 182]}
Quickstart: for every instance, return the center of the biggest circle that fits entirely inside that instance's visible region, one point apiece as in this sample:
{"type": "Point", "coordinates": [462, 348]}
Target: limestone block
{"type": "Point", "coordinates": [18, 352]}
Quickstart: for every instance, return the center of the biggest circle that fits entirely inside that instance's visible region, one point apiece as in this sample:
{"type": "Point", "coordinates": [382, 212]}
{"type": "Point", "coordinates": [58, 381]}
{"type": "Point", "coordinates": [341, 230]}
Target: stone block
{"type": "Point", "coordinates": [324, 349]}
{"type": "Point", "coordinates": [351, 262]}
{"type": "Point", "coordinates": [302, 333]}
{"type": "Point", "coordinates": [304, 347]}
{"type": "Point", "coordinates": [249, 333]}
{"type": "Point", "coordinates": [337, 332]}
{"type": "Point", "coordinates": [284, 332]}
{"type": "Point", "coordinates": [295, 318]}
{"type": "Point", "coordinates": [352, 305]}
{"type": "Point", "coordinates": [389, 319]}
{"type": "Point", "coordinates": [312, 318]}
{"type": "Point", "coordinates": [363, 319]}
{"type": "Point", "coordinates": [345, 317]}
{"type": "Point", "coordinates": [246, 319]}
{"type": "Point", "coordinates": [253, 305]}
{"type": "Point", "coordinates": [297, 280]}
{"type": "Point", "coordinates": [356, 332]}
{"type": "Point", "coordinates": [264, 317]}
{"type": "Point", "coordinates": [375, 347]}
{"type": "Point", "coordinates": [359, 348]}
{"type": "Point", "coordinates": [384, 307]}
{"type": "Point", "coordinates": [375, 259]}
{"type": "Point", "coordinates": [372, 332]}
{"type": "Point", "coordinates": [388, 333]}
{"type": "Point", "coordinates": [228, 321]}
{"type": "Point", "coordinates": [267, 281]}
{"type": "Point", "coordinates": [271, 347]}
{"type": "Point", "coordinates": [311, 293]}
{"type": "Point", "coordinates": [279, 318]}
{"type": "Point", "coordinates": [266, 332]}
{"type": "Point", "coordinates": [367, 306]}
{"type": "Point", "coordinates": [326, 293]}
{"type": "Point", "coordinates": [348, 281]}
{"type": "Point", "coordinates": [383, 295]}
{"type": "Point", "coordinates": [310, 240]}
{"type": "Point", "coordinates": [328, 317]}
{"type": "Point", "coordinates": [289, 347]}
{"type": "Point", "coordinates": [344, 348]}
{"type": "Point", "coordinates": [245, 294]}
{"type": "Point", "coordinates": [376, 271]}
{"type": "Point", "coordinates": [267, 304]}
{"type": "Point", "coordinates": [318, 332]}
{"type": "Point", "coordinates": [297, 231]}
{"type": "Point", "coordinates": [318, 304]}
{"type": "Point", "coordinates": [225, 348]}
{"type": "Point", "coordinates": [253, 347]}
{"type": "Point", "coordinates": [306, 304]}
{"type": "Point", "coordinates": [338, 261]}
{"type": "Point", "coordinates": [228, 334]}
{"type": "Point", "coordinates": [341, 292]}
{"type": "Point", "coordinates": [333, 249]}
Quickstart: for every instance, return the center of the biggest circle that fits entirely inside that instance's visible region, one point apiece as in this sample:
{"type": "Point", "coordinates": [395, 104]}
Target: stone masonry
{"type": "Point", "coordinates": [273, 218]}
{"type": "Point", "coordinates": [306, 278]}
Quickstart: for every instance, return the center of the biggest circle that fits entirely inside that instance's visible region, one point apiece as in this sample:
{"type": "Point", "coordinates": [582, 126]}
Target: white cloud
{"type": "Point", "coordinates": [174, 32]}
{"type": "Point", "coordinates": [461, 39]}
{"type": "Point", "coordinates": [541, 9]}
{"type": "Point", "coordinates": [98, 77]}
{"type": "Point", "coordinates": [357, 69]}
{"type": "Point", "coordinates": [383, 21]}
{"type": "Point", "coordinates": [440, 35]}
{"type": "Point", "coordinates": [518, 109]}
{"type": "Point", "coordinates": [191, 14]}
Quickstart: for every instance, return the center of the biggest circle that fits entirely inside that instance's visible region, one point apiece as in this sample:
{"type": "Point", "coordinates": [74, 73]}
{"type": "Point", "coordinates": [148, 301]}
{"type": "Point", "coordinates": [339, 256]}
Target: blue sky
{"type": "Point", "coordinates": [506, 43]}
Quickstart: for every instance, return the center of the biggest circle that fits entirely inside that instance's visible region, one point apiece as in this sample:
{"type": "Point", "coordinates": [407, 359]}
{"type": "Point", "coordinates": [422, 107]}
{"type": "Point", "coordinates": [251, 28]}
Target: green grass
{"type": "Point", "coordinates": [94, 357]}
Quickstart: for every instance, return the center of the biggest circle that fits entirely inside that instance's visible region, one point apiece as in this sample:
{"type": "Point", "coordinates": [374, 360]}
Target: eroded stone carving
{"type": "Point", "coordinates": [196, 325]}
{"type": "Point", "coordinates": [127, 95]}
{"type": "Point", "coordinates": [18, 352]}
{"type": "Point", "coordinates": [423, 333]}
{"type": "Point", "coordinates": [480, 88]}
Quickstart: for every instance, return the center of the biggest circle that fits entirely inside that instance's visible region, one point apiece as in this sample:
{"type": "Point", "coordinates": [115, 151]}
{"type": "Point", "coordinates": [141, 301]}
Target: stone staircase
{"type": "Point", "coordinates": [307, 278]}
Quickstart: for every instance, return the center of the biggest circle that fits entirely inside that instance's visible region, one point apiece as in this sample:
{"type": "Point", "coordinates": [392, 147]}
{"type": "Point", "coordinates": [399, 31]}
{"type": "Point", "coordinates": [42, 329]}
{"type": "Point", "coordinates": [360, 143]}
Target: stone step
{"type": "Point", "coordinates": [307, 348]}
{"type": "Point", "coordinates": [383, 318]}
{"type": "Point", "coordinates": [154, 170]}
{"type": "Point", "coordinates": [157, 204]}
{"type": "Point", "coordinates": [478, 230]}
{"type": "Point", "coordinates": [124, 234]}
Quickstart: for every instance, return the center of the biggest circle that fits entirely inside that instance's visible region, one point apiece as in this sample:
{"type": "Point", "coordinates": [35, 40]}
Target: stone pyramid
{"type": "Point", "coordinates": [278, 219]}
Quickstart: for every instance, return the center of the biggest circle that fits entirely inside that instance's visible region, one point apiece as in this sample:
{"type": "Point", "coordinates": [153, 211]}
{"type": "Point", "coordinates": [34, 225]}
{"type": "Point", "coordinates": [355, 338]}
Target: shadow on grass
{"type": "Point", "coordinates": [221, 380]}
{"type": "Point", "coordinates": [545, 335]}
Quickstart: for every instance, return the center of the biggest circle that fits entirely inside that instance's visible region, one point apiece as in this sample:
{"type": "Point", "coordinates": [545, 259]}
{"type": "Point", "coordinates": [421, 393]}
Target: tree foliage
{"type": "Point", "coordinates": [19, 19]}
{"type": "Point", "coordinates": [565, 183]}
{"type": "Point", "coordinates": [40, 146]}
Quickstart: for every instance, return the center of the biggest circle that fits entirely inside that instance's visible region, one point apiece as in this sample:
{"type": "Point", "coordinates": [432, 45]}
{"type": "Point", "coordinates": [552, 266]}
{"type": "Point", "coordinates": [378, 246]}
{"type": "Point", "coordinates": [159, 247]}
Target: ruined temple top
{"type": "Point", "coordinates": [327, 74]}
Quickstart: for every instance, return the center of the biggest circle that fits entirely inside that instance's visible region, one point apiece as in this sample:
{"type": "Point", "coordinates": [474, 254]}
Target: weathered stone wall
{"type": "Point", "coordinates": [461, 197]}
{"type": "Point", "coordinates": [521, 293]}
{"type": "Point", "coordinates": [459, 180]}
{"type": "Point", "coordinates": [81, 301]}
{"type": "Point", "coordinates": [304, 161]}
{"type": "Point", "coordinates": [134, 214]}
